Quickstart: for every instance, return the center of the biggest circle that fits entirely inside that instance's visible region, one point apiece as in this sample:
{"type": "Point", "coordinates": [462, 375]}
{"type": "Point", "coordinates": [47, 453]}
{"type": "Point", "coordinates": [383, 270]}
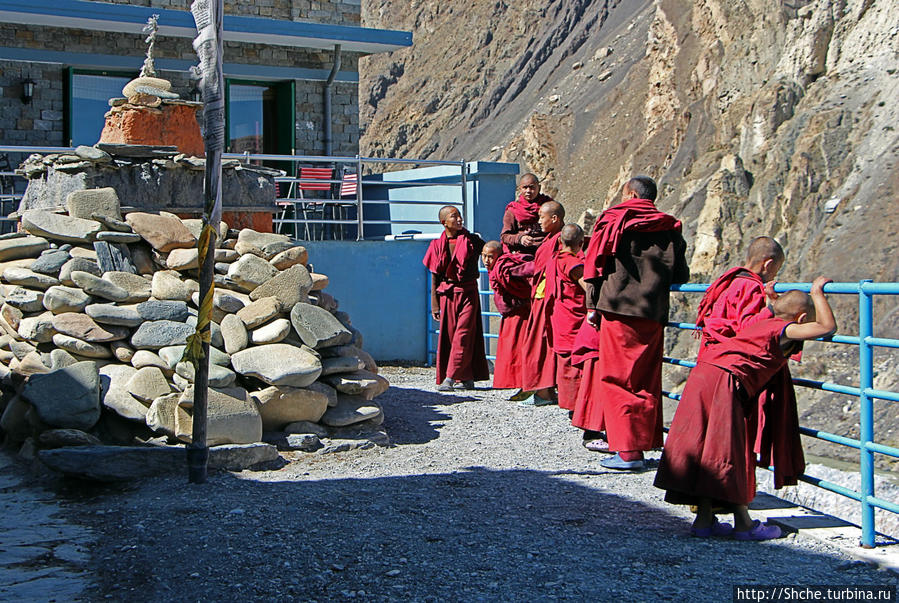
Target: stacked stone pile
{"type": "Point", "coordinates": [96, 311]}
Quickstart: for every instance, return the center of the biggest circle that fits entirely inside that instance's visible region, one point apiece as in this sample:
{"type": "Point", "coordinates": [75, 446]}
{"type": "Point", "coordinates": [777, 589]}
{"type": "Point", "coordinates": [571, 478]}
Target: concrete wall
{"type": "Point", "coordinates": [383, 287]}
{"type": "Point", "coordinates": [334, 12]}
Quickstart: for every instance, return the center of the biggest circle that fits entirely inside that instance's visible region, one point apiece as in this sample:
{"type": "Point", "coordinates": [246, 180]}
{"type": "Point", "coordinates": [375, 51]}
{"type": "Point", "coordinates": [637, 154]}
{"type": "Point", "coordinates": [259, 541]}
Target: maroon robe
{"type": "Point", "coordinates": [520, 218]}
{"type": "Point", "coordinates": [586, 356]}
{"type": "Point", "coordinates": [512, 296]}
{"type": "Point", "coordinates": [538, 359]}
{"type": "Point", "coordinates": [709, 452]}
{"type": "Point", "coordinates": [460, 346]}
{"type": "Point", "coordinates": [624, 393]}
{"type": "Point", "coordinates": [733, 301]}
{"type": "Point", "coordinates": [569, 310]}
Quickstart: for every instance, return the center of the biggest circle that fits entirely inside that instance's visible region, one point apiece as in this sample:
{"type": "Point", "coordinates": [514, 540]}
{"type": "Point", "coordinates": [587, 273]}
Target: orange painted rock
{"type": "Point", "coordinates": [169, 125]}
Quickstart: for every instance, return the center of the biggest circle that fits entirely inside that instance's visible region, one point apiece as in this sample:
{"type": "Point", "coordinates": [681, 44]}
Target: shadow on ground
{"type": "Point", "coordinates": [476, 534]}
{"type": "Point", "coordinates": [412, 416]}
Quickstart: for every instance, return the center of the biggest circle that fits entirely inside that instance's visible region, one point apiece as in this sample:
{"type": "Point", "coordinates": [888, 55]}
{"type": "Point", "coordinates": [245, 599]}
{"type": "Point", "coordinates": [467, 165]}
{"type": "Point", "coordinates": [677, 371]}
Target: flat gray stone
{"type": "Point", "coordinates": [59, 299]}
{"type": "Point", "coordinates": [326, 390]}
{"type": "Point", "coordinates": [68, 397]}
{"type": "Point", "coordinates": [82, 326]}
{"type": "Point", "coordinates": [147, 384]}
{"type": "Point", "coordinates": [11, 315]}
{"type": "Point", "coordinates": [144, 358]}
{"type": "Point", "coordinates": [234, 334]}
{"type": "Point", "coordinates": [101, 201]}
{"type": "Point", "coordinates": [163, 233]}
{"type": "Point", "coordinates": [115, 236]}
{"type": "Point", "coordinates": [259, 312]}
{"type": "Point", "coordinates": [219, 376]}
{"type": "Point", "coordinates": [318, 328]}
{"type": "Point", "coordinates": [161, 415]}
{"type": "Point", "coordinates": [360, 383]}
{"type": "Point", "coordinates": [50, 262]}
{"type": "Point", "coordinates": [156, 334]}
{"type": "Point", "coordinates": [163, 310]}
{"type": "Point", "coordinates": [121, 351]}
{"type": "Point", "coordinates": [351, 410]}
{"type": "Point", "coordinates": [183, 259]}
{"type": "Point", "coordinates": [271, 332]}
{"type": "Point", "coordinates": [22, 247]}
{"type": "Point", "coordinates": [111, 224]}
{"type": "Point", "coordinates": [58, 227]}
{"type": "Point", "coordinates": [112, 314]}
{"type": "Point", "coordinates": [81, 347]}
{"type": "Point", "coordinates": [37, 329]}
{"type": "Point", "coordinates": [231, 416]}
{"type": "Point", "coordinates": [341, 364]}
{"type": "Point", "coordinates": [278, 364]}
{"type": "Point", "coordinates": [290, 287]}
{"type": "Point", "coordinates": [138, 287]}
{"type": "Point", "coordinates": [77, 263]}
{"type": "Point", "coordinates": [59, 438]}
{"type": "Point", "coordinates": [280, 406]}
{"type": "Point", "coordinates": [169, 286]}
{"type": "Point", "coordinates": [263, 244]}
{"type": "Point", "coordinates": [126, 463]}
{"type": "Point", "coordinates": [24, 277]}
{"type": "Point", "coordinates": [98, 287]}
{"type": "Point", "coordinates": [25, 300]}
{"type": "Point", "coordinates": [290, 257]}
{"type": "Point", "coordinates": [226, 255]}
{"type": "Point", "coordinates": [61, 358]}
{"type": "Point", "coordinates": [226, 301]}
{"type": "Point", "coordinates": [251, 271]}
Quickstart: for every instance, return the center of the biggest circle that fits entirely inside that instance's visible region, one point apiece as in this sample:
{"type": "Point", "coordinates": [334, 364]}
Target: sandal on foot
{"type": "Point", "coordinates": [469, 384]}
{"type": "Point", "coordinates": [446, 386]}
{"type": "Point", "coordinates": [717, 529]}
{"type": "Point", "coordinates": [597, 446]}
{"type": "Point", "coordinates": [520, 395]}
{"type": "Point", "coordinates": [759, 531]}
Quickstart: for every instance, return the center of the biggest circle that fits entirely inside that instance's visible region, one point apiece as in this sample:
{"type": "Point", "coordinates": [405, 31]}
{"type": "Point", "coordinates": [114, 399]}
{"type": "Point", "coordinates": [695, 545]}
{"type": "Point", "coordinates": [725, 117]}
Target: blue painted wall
{"type": "Point", "coordinates": [382, 285]}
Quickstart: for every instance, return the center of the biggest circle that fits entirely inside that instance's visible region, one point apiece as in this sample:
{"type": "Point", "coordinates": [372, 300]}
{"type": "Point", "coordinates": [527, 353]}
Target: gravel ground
{"type": "Point", "coordinates": [477, 499]}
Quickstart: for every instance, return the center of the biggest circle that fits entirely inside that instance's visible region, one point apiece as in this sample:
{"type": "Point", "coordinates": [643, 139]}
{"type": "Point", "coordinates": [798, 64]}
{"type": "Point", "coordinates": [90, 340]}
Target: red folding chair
{"type": "Point", "coordinates": [314, 179]}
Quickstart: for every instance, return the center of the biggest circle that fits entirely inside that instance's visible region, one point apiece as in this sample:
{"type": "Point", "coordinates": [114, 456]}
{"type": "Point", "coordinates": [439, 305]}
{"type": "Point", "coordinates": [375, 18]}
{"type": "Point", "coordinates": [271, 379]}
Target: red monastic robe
{"type": "Point", "coordinates": [512, 296]}
{"type": "Point", "coordinates": [460, 346]}
{"type": "Point", "coordinates": [708, 453]}
{"type": "Point", "coordinates": [538, 359]}
{"type": "Point", "coordinates": [520, 217]}
{"type": "Point", "coordinates": [621, 391]}
{"type": "Point", "coordinates": [735, 300]}
{"type": "Point", "coordinates": [569, 310]}
{"type": "Point", "coordinates": [586, 356]}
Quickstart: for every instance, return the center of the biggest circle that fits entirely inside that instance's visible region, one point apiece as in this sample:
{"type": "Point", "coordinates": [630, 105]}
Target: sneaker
{"type": "Point", "coordinates": [465, 384]}
{"type": "Point", "coordinates": [535, 400]}
{"type": "Point", "coordinates": [446, 386]}
{"type": "Point", "coordinates": [619, 464]}
{"type": "Point", "coordinates": [759, 531]}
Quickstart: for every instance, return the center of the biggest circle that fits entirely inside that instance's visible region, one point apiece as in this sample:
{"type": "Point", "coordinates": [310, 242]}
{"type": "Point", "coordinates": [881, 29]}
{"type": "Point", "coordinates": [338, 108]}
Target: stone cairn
{"type": "Point", "coordinates": [96, 310]}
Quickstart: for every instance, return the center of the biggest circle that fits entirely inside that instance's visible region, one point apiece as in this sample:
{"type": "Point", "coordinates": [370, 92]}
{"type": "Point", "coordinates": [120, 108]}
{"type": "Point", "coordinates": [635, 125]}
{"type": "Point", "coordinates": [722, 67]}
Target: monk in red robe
{"type": "Point", "coordinates": [564, 279]}
{"type": "Point", "coordinates": [585, 357]}
{"type": "Point", "coordinates": [736, 299]}
{"type": "Point", "coordinates": [453, 262]}
{"type": "Point", "coordinates": [511, 284]}
{"type": "Point", "coordinates": [708, 459]}
{"type": "Point", "coordinates": [634, 256]}
{"type": "Point", "coordinates": [538, 359]}
{"type": "Point", "coordinates": [521, 231]}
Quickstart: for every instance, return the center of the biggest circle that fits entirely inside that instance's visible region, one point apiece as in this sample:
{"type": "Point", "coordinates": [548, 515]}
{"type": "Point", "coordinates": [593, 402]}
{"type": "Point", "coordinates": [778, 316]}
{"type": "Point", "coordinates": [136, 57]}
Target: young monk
{"type": "Point", "coordinates": [538, 359]}
{"type": "Point", "coordinates": [564, 278]}
{"type": "Point", "coordinates": [512, 296]}
{"type": "Point", "coordinates": [739, 294]}
{"type": "Point", "coordinates": [453, 262]}
{"type": "Point", "coordinates": [521, 231]}
{"type": "Point", "coordinates": [708, 459]}
{"type": "Point", "coordinates": [634, 256]}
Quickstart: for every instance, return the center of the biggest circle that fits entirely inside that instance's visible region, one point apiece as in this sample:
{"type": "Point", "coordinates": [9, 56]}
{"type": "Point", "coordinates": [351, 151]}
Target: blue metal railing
{"type": "Point", "coordinates": [865, 392]}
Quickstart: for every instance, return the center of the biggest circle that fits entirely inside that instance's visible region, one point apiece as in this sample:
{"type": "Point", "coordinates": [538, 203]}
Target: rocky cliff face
{"type": "Point", "coordinates": [756, 117]}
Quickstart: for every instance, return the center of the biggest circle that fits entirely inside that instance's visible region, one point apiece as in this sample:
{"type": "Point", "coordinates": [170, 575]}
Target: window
{"type": "Point", "coordinates": [260, 117]}
{"type": "Point", "coordinates": [88, 101]}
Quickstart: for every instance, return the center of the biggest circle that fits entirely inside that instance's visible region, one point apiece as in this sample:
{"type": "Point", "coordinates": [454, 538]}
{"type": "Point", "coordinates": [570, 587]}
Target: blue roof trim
{"type": "Point", "coordinates": [132, 63]}
{"type": "Point", "coordinates": [102, 16]}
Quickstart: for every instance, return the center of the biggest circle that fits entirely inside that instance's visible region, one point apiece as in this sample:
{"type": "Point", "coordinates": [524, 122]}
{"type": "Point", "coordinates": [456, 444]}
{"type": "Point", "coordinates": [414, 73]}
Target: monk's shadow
{"type": "Point", "coordinates": [413, 416]}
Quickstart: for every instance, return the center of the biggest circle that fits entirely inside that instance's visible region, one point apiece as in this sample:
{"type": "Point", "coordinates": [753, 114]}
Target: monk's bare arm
{"type": "Point", "coordinates": [824, 324]}
{"type": "Point", "coordinates": [577, 275]}
{"type": "Point", "coordinates": [435, 305]}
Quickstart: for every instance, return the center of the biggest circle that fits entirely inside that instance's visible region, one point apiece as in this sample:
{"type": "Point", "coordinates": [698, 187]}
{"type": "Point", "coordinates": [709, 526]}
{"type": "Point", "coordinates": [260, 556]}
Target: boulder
{"type": "Point", "coordinates": [50, 262]}
{"type": "Point", "coordinates": [360, 383]}
{"type": "Point", "coordinates": [183, 259]}
{"type": "Point", "coordinates": [68, 397]}
{"type": "Point", "coordinates": [350, 410]}
{"type": "Point", "coordinates": [323, 388]}
{"type": "Point", "coordinates": [28, 278]}
{"type": "Point", "coordinates": [121, 351]}
{"type": "Point", "coordinates": [271, 332]}
{"type": "Point", "coordinates": [22, 247]}
{"type": "Point", "coordinates": [319, 281]}
{"type": "Point", "coordinates": [290, 257]}
{"type": "Point", "coordinates": [61, 358]}
{"type": "Point", "coordinates": [25, 300]}
{"type": "Point", "coordinates": [161, 415]}
{"type": "Point", "coordinates": [251, 271]}
{"type": "Point", "coordinates": [290, 287]}
{"type": "Point", "coordinates": [219, 376]}
{"type": "Point", "coordinates": [82, 326]}
{"type": "Point", "coordinates": [171, 355]}
{"type": "Point", "coordinates": [11, 315]}
{"type": "Point", "coordinates": [156, 334]}
{"type": "Point", "coordinates": [144, 358]}
{"type": "Point", "coordinates": [318, 328]}
{"type": "Point", "coordinates": [38, 329]}
{"type": "Point", "coordinates": [234, 334]}
{"type": "Point", "coordinates": [163, 310]}
{"type": "Point", "coordinates": [59, 227]}
{"type": "Point", "coordinates": [278, 364]}
{"type": "Point", "coordinates": [262, 244]}
{"type": "Point", "coordinates": [59, 438]}
{"type": "Point", "coordinates": [259, 312]}
{"type": "Point", "coordinates": [80, 347]}
{"type": "Point", "coordinates": [341, 364]}
{"type": "Point", "coordinates": [80, 264]}
{"type": "Point", "coordinates": [30, 364]}
{"type": "Point", "coordinates": [231, 416]}
{"type": "Point", "coordinates": [98, 287]}
{"type": "Point", "coordinates": [280, 406]}
{"type": "Point", "coordinates": [147, 384]}
{"type": "Point", "coordinates": [163, 233]}
{"type": "Point", "coordinates": [98, 201]}
{"type": "Point", "coordinates": [60, 299]}
{"type": "Point", "coordinates": [138, 287]}
{"type": "Point", "coordinates": [115, 236]}
{"type": "Point", "coordinates": [168, 285]}
{"type": "Point", "coordinates": [111, 314]}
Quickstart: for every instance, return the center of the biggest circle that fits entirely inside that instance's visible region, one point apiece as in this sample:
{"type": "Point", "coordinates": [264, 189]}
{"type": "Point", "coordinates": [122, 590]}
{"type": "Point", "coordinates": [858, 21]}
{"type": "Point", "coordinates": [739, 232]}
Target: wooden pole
{"type": "Point", "coordinates": [208, 44]}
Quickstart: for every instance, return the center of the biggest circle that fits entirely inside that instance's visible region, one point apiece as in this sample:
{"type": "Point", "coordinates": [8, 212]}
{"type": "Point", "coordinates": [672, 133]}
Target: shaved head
{"type": "Point", "coordinates": [494, 247]}
{"type": "Point", "coordinates": [572, 236]}
{"type": "Point", "coordinates": [642, 187]}
{"type": "Point", "coordinates": [791, 304]}
{"type": "Point", "coordinates": [553, 208]}
{"type": "Point", "coordinates": [764, 248]}
{"type": "Point", "coordinates": [528, 178]}
{"type": "Point", "coordinates": [445, 211]}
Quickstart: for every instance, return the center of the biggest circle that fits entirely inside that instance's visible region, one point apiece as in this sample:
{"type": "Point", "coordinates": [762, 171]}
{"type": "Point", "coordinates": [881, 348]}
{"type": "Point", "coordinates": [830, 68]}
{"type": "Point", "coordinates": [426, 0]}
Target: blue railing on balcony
{"type": "Point", "coordinates": [865, 392]}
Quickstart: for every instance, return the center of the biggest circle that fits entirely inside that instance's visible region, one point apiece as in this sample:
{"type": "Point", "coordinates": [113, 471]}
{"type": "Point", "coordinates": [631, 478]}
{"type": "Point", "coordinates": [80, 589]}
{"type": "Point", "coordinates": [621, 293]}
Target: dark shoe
{"type": "Point", "coordinates": [446, 386]}
{"type": "Point", "coordinates": [716, 529]}
{"type": "Point", "coordinates": [520, 395]}
{"type": "Point", "coordinates": [619, 464]}
{"type": "Point", "coordinates": [759, 531]}
{"type": "Point", "coordinates": [465, 384]}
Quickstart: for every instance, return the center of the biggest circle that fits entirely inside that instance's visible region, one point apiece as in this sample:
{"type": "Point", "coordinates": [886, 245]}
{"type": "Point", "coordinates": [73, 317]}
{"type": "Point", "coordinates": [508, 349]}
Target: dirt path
{"type": "Point", "coordinates": [477, 499]}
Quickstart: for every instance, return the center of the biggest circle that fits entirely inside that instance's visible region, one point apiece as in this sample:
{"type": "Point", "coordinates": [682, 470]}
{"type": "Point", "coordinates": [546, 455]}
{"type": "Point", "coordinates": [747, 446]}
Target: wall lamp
{"type": "Point", "coordinates": [27, 90]}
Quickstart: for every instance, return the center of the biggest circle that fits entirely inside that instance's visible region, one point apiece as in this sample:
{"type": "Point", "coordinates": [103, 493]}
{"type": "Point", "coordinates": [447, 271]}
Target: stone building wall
{"type": "Point", "coordinates": [41, 122]}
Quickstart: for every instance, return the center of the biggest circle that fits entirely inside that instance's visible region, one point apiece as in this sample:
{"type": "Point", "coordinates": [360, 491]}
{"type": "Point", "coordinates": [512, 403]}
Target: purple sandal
{"type": "Point", "coordinates": [759, 531]}
{"type": "Point", "coordinates": [717, 529]}
{"type": "Point", "coordinates": [597, 445]}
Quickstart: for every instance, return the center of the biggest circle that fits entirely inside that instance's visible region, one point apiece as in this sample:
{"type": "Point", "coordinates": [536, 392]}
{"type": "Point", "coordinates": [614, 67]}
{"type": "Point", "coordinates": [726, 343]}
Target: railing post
{"type": "Point", "coordinates": [866, 411]}
{"type": "Point", "coordinates": [360, 221]}
{"type": "Point", "coordinates": [463, 168]}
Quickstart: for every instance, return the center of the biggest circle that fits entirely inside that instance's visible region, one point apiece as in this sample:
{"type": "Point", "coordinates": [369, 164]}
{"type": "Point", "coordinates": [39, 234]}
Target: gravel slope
{"type": "Point", "coordinates": [478, 499]}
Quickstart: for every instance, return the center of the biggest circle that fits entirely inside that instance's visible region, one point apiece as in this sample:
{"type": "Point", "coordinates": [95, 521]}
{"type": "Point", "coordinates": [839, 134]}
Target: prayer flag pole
{"type": "Point", "coordinates": [208, 45]}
